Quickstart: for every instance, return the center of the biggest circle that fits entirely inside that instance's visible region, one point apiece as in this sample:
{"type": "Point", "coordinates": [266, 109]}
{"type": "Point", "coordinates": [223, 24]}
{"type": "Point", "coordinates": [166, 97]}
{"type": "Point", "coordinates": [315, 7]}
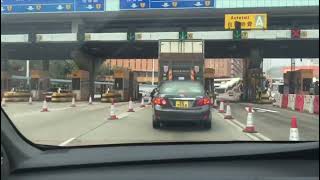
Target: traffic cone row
{"type": "Point", "coordinates": [228, 113]}
{"type": "Point", "coordinates": [3, 102]}
{"type": "Point", "coordinates": [73, 103]}
{"type": "Point", "coordinates": [112, 112]}
{"type": "Point", "coordinates": [250, 128]}
{"type": "Point", "coordinates": [142, 102]}
{"type": "Point", "coordinates": [30, 100]}
{"type": "Point", "coordinates": [221, 108]}
{"type": "Point", "coordinates": [130, 109]}
{"type": "Point", "coordinates": [90, 100]}
{"type": "Point", "coordinates": [215, 104]}
{"type": "Point", "coordinates": [44, 106]}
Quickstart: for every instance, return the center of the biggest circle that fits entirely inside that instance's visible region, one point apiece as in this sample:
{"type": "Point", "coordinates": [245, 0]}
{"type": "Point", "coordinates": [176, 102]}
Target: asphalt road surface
{"type": "Point", "coordinates": [88, 125]}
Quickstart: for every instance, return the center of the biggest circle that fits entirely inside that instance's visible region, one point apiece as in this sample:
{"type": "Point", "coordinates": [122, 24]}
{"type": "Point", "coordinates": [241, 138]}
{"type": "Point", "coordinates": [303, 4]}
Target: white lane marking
{"type": "Point", "coordinates": [262, 137]}
{"type": "Point", "coordinates": [67, 142]}
{"type": "Point", "coordinates": [239, 128]}
{"type": "Point", "coordinates": [265, 138]}
{"type": "Point", "coordinates": [264, 110]}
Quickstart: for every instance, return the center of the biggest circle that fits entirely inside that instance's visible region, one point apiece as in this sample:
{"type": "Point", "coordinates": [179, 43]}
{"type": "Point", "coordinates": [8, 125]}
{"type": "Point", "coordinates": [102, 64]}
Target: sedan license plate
{"type": "Point", "coordinates": [182, 104]}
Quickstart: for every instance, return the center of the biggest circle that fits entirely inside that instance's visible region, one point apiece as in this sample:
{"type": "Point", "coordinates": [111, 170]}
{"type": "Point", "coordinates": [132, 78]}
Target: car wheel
{"type": "Point", "coordinates": [207, 125]}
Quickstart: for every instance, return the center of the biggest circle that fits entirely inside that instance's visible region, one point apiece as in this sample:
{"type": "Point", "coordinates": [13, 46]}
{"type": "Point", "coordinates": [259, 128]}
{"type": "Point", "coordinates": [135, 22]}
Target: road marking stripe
{"type": "Point", "coordinates": [265, 110]}
{"type": "Point", "coordinates": [239, 128]}
{"type": "Point", "coordinates": [67, 142]}
{"type": "Point", "coordinates": [262, 137]}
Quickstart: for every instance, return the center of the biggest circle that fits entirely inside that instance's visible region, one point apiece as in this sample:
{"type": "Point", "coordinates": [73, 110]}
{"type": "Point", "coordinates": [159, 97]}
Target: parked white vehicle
{"type": "Point", "coordinates": [230, 90]}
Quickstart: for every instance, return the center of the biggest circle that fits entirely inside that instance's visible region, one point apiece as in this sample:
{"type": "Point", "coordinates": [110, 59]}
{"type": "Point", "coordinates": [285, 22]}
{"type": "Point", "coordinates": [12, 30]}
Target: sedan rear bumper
{"type": "Point", "coordinates": [171, 115]}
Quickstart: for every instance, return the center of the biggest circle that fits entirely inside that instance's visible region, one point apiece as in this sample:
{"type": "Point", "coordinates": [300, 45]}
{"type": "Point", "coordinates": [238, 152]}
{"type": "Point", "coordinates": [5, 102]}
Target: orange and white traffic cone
{"type": "Point", "coordinates": [45, 106]}
{"type": "Point", "coordinates": [149, 101]}
{"type": "Point", "coordinates": [112, 112]}
{"type": "Point", "coordinates": [142, 102]}
{"type": "Point", "coordinates": [221, 109]}
{"type": "Point", "coordinates": [250, 128]}
{"type": "Point", "coordinates": [215, 105]}
{"type": "Point", "coordinates": [3, 102]}
{"type": "Point", "coordinates": [294, 132]}
{"type": "Point", "coordinates": [228, 113]}
{"type": "Point", "coordinates": [130, 106]}
{"type": "Point", "coordinates": [30, 100]}
{"type": "Point", "coordinates": [73, 103]}
{"type": "Point", "coordinates": [90, 100]}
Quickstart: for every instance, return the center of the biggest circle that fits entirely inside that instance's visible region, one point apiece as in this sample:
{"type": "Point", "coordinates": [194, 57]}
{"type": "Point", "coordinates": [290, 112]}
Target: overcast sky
{"type": "Point", "coordinates": [269, 63]}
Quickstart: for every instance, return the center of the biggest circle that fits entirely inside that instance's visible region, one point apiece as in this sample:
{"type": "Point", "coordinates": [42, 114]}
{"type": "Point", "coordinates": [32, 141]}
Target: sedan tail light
{"type": "Point", "coordinates": [160, 101]}
{"type": "Point", "coordinates": [203, 101]}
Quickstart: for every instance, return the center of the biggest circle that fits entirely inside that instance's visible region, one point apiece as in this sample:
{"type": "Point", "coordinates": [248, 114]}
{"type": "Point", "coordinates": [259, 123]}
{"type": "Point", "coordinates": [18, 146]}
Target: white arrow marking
{"type": "Point", "coordinates": [134, 5]}
{"type": "Point", "coordinates": [30, 8]}
{"type": "Point", "coordinates": [90, 7]}
{"type": "Point", "coordinates": [60, 7]}
{"type": "Point", "coordinates": [265, 110]}
{"type": "Point", "coordinates": [165, 5]}
{"type": "Point", "coordinates": [198, 4]}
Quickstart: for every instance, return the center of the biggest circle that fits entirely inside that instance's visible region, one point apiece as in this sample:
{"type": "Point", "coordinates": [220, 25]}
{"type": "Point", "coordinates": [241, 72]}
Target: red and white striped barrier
{"type": "Point", "coordinates": [308, 103]}
{"type": "Point", "coordinates": [301, 103]}
{"type": "Point", "coordinates": [316, 105]}
{"type": "Point", "coordinates": [291, 101]}
{"type": "Point", "coordinates": [278, 100]}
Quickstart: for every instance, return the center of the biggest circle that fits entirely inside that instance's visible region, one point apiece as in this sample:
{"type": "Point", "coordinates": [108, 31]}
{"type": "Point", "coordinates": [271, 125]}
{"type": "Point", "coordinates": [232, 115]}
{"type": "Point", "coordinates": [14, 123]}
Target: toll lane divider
{"type": "Point", "coordinates": [278, 100]}
{"type": "Point", "coordinates": [291, 101]}
{"type": "Point", "coordinates": [308, 103]}
{"type": "Point", "coordinates": [301, 103]}
{"type": "Point", "coordinates": [316, 105]}
{"type": "Point", "coordinates": [284, 103]}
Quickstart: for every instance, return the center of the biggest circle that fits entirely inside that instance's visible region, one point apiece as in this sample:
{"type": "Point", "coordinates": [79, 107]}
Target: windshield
{"type": "Point", "coordinates": [186, 88]}
{"type": "Point", "coordinates": [101, 72]}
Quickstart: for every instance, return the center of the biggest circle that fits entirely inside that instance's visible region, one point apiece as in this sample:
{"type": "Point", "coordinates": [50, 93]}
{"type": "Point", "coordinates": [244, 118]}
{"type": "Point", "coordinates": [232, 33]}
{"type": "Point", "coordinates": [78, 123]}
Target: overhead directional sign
{"type": "Point", "coordinates": [248, 21]}
{"type": "Point", "coordinates": [165, 4]}
{"type": "Point", "coordinates": [51, 6]}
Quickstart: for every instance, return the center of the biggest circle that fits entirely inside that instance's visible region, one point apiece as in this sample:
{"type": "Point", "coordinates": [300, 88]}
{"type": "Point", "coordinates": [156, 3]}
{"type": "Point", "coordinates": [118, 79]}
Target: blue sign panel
{"type": "Point", "coordinates": [50, 6]}
{"type": "Point", "coordinates": [165, 4]}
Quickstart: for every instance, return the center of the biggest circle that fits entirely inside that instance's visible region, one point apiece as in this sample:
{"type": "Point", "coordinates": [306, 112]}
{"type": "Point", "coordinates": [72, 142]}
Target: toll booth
{"type": "Point", "coordinates": [298, 82]}
{"type": "Point", "coordinates": [4, 82]}
{"type": "Point", "coordinates": [209, 81]}
{"type": "Point", "coordinates": [40, 82]}
{"type": "Point", "coordinates": [125, 84]}
{"type": "Point", "coordinates": [80, 84]}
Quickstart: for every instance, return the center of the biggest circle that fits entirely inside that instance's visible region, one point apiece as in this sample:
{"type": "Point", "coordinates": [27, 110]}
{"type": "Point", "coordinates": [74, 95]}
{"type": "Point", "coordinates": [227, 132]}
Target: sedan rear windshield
{"type": "Point", "coordinates": [186, 88]}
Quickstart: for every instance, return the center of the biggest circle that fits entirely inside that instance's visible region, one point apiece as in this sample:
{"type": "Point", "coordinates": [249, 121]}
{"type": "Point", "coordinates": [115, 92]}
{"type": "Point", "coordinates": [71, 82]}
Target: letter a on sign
{"type": "Point", "coordinates": [259, 22]}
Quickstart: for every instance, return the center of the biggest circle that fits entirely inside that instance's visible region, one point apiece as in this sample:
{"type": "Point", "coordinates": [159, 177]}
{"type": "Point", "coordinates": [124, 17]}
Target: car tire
{"type": "Point", "coordinates": [207, 125]}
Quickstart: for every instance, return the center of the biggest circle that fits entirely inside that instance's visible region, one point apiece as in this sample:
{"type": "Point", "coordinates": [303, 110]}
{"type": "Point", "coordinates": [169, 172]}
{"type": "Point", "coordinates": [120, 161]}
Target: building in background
{"type": "Point", "coordinates": [224, 68]}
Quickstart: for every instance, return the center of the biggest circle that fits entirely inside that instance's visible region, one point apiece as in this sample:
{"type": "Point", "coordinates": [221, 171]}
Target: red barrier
{"type": "Point", "coordinates": [284, 103]}
{"type": "Point", "coordinates": [316, 105]}
{"type": "Point", "coordinates": [299, 103]}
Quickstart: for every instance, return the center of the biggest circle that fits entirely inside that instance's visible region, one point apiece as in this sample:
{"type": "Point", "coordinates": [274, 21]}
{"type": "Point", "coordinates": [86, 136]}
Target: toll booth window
{"type": "Point", "coordinates": [75, 83]}
{"type": "Point", "coordinates": [306, 84]}
{"type": "Point", "coordinates": [118, 83]}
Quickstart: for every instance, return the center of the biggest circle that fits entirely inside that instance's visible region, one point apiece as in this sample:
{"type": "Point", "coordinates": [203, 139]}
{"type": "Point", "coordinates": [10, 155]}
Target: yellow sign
{"type": "Point", "coordinates": [248, 21]}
